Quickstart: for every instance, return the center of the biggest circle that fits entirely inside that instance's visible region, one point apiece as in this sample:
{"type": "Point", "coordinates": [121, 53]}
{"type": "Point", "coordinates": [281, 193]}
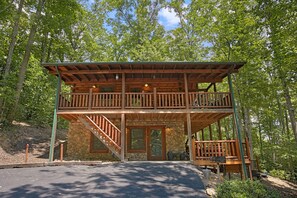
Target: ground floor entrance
{"type": "Point", "coordinates": [156, 143]}
{"type": "Point", "coordinates": [147, 141]}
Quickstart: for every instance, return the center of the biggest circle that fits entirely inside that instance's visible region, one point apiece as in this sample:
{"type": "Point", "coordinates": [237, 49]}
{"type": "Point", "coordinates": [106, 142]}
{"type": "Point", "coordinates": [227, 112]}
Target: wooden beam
{"type": "Point", "coordinates": [123, 90]}
{"type": "Point", "coordinates": [144, 111]}
{"type": "Point", "coordinates": [189, 128]}
{"type": "Point", "coordinates": [186, 90]}
{"type": "Point", "coordinates": [144, 71]}
{"type": "Point", "coordinates": [202, 133]}
{"type": "Point", "coordinates": [138, 80]}
{"type": "Point", "coordinates": [219, 130]}
{"type": "Point", "coordinates": [123, 136]}
{"type": "Point", "coordinates": [210, 132]}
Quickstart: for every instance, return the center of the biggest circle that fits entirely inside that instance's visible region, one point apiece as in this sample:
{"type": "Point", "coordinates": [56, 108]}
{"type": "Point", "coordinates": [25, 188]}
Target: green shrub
{"type": "Point", "coordinates": [278, 173]}
{"type": "Point", "coordinates": [244, 189]}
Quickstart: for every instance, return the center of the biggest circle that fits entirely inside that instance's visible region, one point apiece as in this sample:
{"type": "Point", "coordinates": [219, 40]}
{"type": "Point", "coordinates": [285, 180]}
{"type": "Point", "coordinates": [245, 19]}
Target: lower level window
{"type": "Point", "coordinates": [97, 146]}
{"type": "Point", "coordinates": [136, 140]}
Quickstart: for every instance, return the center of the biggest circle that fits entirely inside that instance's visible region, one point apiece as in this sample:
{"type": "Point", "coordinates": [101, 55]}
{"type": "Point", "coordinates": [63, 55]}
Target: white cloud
{"type": "Point", "coordinates": [168, 18]}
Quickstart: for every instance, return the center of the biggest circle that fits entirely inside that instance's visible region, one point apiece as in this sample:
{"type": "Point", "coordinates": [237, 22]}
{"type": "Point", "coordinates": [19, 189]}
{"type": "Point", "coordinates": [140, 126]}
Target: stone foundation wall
{"type": "Point", "coordinates": [78, 148]}
{"type": "Point", "coordinates": [79, 141]}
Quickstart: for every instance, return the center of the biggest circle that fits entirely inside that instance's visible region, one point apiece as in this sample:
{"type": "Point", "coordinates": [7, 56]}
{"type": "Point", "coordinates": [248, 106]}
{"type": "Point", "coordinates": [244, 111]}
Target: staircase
{"type": "Point", "coordinates": [105, 131]}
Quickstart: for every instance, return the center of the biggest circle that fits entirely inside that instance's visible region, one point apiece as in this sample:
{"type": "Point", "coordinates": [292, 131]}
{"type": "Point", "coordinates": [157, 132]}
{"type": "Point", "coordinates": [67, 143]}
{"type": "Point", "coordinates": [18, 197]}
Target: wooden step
{"type": "Point", "coordinates": [106, 137]}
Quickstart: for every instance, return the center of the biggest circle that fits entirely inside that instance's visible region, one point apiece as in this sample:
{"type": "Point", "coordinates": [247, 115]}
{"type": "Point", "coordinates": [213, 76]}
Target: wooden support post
{"type": "Point", "coordinates": [55, 119]}
{"type": "Point", "coordinates": [210, 132]}
{"type": "Point", "coordinates": [155, 98]}
{"type": "Point", "coordinates": [90, 98]}
{"type": "Point", "coordinates": [189, 128]}
{"type": "Point", "coordinates": [123, 136]}
{"type": "Point", "coordinates": [61, 152]}
{"type": "Point", "coordinates": [219, 130]}
{"type": "Point", "coordinates": [27, 153]}
{"type": "Point", "coordinates": [193, 146]}
{"type": "Point", "coordinates": [202, 134]}
{"type": "Point", "coordinates": [186, 91]}
{"type": "Point", "coordinates": [123, 90]}
{"type": "Point", "coordinates": [237, 127]}
{"type": "Point", "coordinates": [189, 136]}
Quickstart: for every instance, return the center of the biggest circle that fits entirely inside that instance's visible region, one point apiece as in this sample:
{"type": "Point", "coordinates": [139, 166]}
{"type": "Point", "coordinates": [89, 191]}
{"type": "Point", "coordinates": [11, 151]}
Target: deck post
{"type": "Point", "coordinates": [123, 136]}
{"type": "Point", "coordinates": [210, 132]}
{"type": "Point", "coordinates": [90, 98]}
{"type": "Point", "coordinates": [123, 119]}
{"type": "Point", "coordinates": [190, 136]}
{"type": "Point", "coordinates": [155, 98]}
{"type": "Point", "coordinates": [54, 127]}
{"type": "Point", "coordinates": [123, 90]}
{"type": "Point", "coordinates": [202, 134]}
{"type": "Point", "coordinates": [237, 127]}
{"type": "Point", "coordinates": [219, 130]}
{"type": "Point", "coordinates": [189, 128]}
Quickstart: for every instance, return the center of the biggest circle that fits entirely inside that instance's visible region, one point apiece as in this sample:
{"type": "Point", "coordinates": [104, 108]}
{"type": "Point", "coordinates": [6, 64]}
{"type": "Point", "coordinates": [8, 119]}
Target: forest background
{"type": "Point", "coordinates": [260, 32]}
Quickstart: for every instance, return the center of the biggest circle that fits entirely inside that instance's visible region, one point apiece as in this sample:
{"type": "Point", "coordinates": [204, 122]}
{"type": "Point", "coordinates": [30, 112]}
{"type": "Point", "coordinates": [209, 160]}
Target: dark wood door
{"type": "Point", "coordinates": [156, 143]}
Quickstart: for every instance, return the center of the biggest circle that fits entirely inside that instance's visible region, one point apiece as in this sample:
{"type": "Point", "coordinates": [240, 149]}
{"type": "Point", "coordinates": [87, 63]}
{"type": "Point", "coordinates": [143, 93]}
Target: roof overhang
{"type": "Point", "coordinates": [110, 72]}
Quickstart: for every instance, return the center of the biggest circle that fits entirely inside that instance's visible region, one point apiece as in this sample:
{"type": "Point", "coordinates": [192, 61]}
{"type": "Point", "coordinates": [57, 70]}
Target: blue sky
{"type": "Point", "coordinates": [167, 17]}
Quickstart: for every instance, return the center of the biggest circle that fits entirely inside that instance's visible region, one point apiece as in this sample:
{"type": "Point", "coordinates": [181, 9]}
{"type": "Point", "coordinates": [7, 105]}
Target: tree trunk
{"type": "Point", "coordinates": [13, 40]}
{"type": "Point", "coordinates": [10, 52]}
{"type": "Point", "coordinates": [44, 47]}
{"type": "Point", "coordinates": [249, 134]}
{"type": "Point", "coordinates": [23, 66]}
{"type": "Point", "coordinates": [290, 108]}
{"type": "Point", "coordinates": [260, 137]}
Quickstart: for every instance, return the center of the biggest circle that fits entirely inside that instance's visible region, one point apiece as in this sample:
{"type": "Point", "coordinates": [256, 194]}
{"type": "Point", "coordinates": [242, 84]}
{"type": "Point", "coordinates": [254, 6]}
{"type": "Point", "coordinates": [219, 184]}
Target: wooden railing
{"type": "Point", "coordinates": [108, 128]}
{"type": "Point", "coordinates": [171, 100]}
{"type": "Point", "coordinates": [106, 100]}
{"type": "Point", "coordinates": [139, 100]}
{"type": "Point", "coordinates": [210, 99]}
{"type": "Point", "coordinates": [204, 150]}
{"type": "Point", "coordinates": [156, 100]}
{"type": "Point", "coordinates": [77, 100]}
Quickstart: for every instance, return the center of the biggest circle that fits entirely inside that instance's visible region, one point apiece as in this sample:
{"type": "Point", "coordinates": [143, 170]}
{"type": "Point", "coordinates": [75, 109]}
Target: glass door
{"type": "Point", "coordinates": [156, 144]}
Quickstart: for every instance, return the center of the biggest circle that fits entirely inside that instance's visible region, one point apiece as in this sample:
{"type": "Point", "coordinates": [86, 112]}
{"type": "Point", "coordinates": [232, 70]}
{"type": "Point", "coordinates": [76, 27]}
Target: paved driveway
{"type": "Point", "coordinates": [131, 179]}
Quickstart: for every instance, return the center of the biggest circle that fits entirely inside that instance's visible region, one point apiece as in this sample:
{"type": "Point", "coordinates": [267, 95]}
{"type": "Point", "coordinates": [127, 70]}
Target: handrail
{"type": "Point", "coordinates": [154, 100]}
{"type": "Point", "coordinates": [203, 150]}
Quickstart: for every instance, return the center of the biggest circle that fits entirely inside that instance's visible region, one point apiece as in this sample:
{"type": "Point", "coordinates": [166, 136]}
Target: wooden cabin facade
{"type": "Point", "coordinates": [147, 111]}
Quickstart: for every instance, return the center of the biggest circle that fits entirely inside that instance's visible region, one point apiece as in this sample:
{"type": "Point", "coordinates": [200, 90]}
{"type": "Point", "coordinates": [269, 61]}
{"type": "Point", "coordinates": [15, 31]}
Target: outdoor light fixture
{"type": "Point", "coordinates": [146, 85]}
{"type": "Point", "coordinates": [94, 86]}
{"type": "Point", "coordinates": [117, 77]}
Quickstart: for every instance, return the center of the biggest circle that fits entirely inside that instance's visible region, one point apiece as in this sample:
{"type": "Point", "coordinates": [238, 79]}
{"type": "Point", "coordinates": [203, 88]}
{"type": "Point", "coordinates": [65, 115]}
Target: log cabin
{"type": "Point", "coordinates": [150, 111]}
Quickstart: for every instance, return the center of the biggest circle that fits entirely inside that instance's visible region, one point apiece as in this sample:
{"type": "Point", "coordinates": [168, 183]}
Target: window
{"type": "Point", "coordinates": [96, 146]}
{"type": "Point", "coordinates": [136, 140]}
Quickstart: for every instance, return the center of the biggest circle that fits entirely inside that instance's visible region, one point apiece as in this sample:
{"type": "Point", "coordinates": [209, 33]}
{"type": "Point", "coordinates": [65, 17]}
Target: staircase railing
{"type": "Point", "coordinates": [105, 131]}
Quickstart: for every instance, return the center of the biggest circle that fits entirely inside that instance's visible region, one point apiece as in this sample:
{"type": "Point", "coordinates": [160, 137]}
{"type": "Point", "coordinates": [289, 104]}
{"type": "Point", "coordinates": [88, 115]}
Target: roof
{"type": "Point", "coordinates": [110, 72]}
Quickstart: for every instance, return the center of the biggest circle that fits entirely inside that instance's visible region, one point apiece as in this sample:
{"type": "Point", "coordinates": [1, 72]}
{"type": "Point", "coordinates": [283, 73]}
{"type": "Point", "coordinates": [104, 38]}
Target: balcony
{"type": "Point", "coordinates": [204, 151]}
{"type": "Point", "coordinates": [155, 100]}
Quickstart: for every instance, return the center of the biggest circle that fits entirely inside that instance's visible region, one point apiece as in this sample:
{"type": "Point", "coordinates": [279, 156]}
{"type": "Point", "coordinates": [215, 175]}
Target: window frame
{"type": "Point", "coordinates": [131, 150]}
{"type": "Point", "coordinates": [92, 149]}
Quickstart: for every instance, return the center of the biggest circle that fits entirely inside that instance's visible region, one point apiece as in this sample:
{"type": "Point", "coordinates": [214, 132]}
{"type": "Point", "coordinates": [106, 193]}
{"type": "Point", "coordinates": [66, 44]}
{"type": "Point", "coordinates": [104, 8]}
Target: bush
{"type": "Point", "coordinates": [278, 173]}
{"type": "Point", "coordinates": [244, 189]}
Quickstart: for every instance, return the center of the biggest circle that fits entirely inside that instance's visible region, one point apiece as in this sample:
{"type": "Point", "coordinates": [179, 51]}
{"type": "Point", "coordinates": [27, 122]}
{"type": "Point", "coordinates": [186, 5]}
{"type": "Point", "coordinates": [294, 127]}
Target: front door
{"type": "Point", "coordinates": [156, 143]}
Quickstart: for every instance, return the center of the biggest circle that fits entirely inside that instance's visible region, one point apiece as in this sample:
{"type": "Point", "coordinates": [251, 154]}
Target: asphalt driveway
{"type": "Point", "coordinates": [131, 179]}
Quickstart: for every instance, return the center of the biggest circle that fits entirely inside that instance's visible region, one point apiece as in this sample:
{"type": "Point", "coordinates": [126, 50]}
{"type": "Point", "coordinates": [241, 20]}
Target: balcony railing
{"type": "Point", "coordinates": [160, 100]}
{"type": "Point", "coordinates": [204, 150]}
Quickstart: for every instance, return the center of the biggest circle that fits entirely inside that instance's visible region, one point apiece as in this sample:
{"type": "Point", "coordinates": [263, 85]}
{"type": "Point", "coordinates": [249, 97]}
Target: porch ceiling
{"type": "Point", "coordinates": [198, 120]}
{"type": "Point", "coordinates": [111, 72]}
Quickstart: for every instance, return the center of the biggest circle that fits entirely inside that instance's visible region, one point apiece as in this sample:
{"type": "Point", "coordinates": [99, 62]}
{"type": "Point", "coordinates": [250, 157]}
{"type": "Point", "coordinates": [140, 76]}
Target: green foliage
{"type": "Point", "coordinates": [244, 189]}
{"type": "Point", "coordinates": [257, 31]}
{"type": "Point", "coordinates": [278, 173]}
